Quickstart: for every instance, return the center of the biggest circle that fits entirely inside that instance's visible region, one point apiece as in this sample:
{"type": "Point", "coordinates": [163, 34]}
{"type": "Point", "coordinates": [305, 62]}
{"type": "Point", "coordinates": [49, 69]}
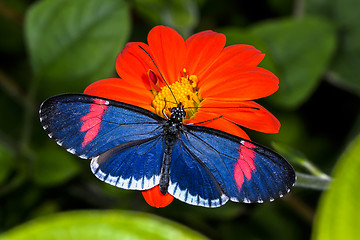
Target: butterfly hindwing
{"type": "Point", "coordinates": [244, 171]}
{"type": "Point", "coordinates": [134, 165]}
{"type": "Point", "coordinates": [88, 126]}
{"type": "Point", "coordinates": [192, 180]}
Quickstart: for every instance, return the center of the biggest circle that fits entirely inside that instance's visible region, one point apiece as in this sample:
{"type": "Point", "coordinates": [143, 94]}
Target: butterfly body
{"type": "Point", "coordinates": [133, 148]}
{"type": "Point", "coordinates": [171, 133]}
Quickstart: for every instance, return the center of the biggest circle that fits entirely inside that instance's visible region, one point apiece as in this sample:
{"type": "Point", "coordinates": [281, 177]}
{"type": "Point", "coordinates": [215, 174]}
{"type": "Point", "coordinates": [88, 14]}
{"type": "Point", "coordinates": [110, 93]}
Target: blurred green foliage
{"type": "Point", "coordinates": [102, 225]}
{"type": "Point", "coordinates": [81, 41]}
{"type": "Point", "coordinates": [337, 216]}
{"type": "Point", "coordinates": [54, 46]}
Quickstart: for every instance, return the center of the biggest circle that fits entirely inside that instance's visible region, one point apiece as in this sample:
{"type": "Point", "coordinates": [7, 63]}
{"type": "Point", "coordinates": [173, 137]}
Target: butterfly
{"type": "Point", "coordinates": [133, 148]}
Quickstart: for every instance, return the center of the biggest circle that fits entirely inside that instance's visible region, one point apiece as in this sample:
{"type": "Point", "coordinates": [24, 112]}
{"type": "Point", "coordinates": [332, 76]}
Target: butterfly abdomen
{"type": "Point", "coordinates": [171, 134]}
{"type": "Point", "coordinates": [165, 170]}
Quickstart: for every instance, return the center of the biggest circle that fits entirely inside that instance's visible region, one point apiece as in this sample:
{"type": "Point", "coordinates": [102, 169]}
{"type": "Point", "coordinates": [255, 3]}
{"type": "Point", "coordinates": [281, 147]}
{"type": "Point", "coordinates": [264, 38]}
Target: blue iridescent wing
{"type": "Point", "coordinates": [221, 166]}
{"type": "Point", "coordinates": [88, 126]}
{"type": "Point", "coordinates": [192, 181]}
{"type": "Point", "coordinates": [134, 165]}
{"type": "Point", "coordinates": [121, 139]}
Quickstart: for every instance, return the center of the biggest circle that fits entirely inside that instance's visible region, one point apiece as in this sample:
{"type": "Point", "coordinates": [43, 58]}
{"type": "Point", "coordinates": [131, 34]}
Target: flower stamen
{"type": "Point", "coordinates": [186, 93]}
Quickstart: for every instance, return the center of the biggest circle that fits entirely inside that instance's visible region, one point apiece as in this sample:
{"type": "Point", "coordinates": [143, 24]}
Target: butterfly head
{"type": "Point", "coordinates": [178, 113]}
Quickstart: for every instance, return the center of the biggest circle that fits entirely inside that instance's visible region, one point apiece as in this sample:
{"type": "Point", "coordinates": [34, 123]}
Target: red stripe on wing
{"type": "Point", "coordinates": [92, 121]}
{"type": "Point", "coordinates": [245, 164]}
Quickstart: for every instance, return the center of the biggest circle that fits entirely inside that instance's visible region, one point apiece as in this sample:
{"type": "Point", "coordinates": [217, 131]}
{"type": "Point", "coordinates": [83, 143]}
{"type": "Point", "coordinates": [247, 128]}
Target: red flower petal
{"type": "Point", "coordinates": [168, 50]}
{"type": "Point", "coordinates": [250, 114]}
{"type": "Point", "coordinates": [243, 83]}
{"type": "Point", "coordinates": [155, 198]}
{"type": "Point", "coordinates": [218, 123]}
{"type": "Point", "coordinates": [232, 57]}
{"type": "Point", "coordinates": [133, 64]}
{"type": "Point", "coordinates": [115, 89]}
{"type": "Point", "coordinates": [202, 50]}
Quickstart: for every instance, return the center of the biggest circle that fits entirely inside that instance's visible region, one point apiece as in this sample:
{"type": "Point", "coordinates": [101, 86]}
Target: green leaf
{"type": "Point", "coordinates": [54, 165]}
{"type": "Point", "coordinates": [93, 225]}
{"type": "Point", "coordinates": [72, 43]}
{"type": "Point", "coordinates": [182, 15]}
{"type": "Point", "coordinates": [345, 16]}
{"type": "Point", "coordinates": [337, 216]}
{"type": "Point", "coordinates": [301, 50]}
{"type": "Point", "coordinates": [345, 67]}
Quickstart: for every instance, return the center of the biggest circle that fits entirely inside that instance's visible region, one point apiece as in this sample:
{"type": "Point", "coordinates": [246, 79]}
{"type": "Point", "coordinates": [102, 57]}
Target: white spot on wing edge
{"type": "Point", "coordinates": [185, 196]}
{"type": "Point", "coordinates": [83, 156]}
{"type": "Point", "coordinates": [93, 164]}
{"type": "Point", "coordinates": [137, 184]}
{"type": "Point", "coordinates": [59, 142]}
{"type": "Point", "coordinates": [71, 150]}
{"type": "Point", "coordinates": [112, 180]}
{"type": "Point", "coordinates": [130, 183]}
{"type": "Point", "coordinates": [100, 175]}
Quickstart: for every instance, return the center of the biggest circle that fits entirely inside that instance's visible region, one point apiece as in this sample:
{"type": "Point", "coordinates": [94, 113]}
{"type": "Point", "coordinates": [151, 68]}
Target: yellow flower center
{"type": "Point", "coordinates": [186, 93]}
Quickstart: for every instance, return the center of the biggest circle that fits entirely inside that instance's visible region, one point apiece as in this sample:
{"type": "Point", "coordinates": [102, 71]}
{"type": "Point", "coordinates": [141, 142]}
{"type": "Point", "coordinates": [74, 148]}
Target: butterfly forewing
{"type": "Point", "coordinates": [245, 171]}
{"type": "Point", "coordinates": [88, 126]}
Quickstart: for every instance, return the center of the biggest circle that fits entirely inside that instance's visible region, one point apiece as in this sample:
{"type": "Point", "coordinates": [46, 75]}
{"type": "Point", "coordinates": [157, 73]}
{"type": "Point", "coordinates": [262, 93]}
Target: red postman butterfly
{"type": "Point", "coordinates": [133, 148]}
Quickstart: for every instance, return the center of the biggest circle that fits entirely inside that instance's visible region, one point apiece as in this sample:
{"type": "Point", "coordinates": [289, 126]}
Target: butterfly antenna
{"type": "Point", "coordinates": [218, 117]}
{"type": "Point", "coordinates": [209, 120]}
{"type": "Point", "coordinates": [159, 72]}
{"type": "Point", "coordinates": [255, 108]}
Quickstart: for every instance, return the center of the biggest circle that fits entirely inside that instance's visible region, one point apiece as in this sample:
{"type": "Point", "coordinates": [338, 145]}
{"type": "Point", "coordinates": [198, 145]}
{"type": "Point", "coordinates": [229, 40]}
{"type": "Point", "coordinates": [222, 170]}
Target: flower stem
{"type": "Point", "coordinates": [313, 182]}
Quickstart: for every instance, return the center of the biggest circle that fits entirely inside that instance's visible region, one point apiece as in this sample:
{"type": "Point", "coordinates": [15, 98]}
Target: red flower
{"type": "Point", "coordinates": [212, 82]}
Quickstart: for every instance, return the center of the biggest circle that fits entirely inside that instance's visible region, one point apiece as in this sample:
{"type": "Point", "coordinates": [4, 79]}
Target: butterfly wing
{"type": "Point", "coordinates": [222, 166]}
{"type": "Point", "coordinates": [88, 126]}
{"type": "Point", "coordinates": [192, 181]}
{"type": "Point", "coordinates": [134, 165]}
{"type": "Point", "coordinates": [123, 141]}
{"type": "Point", "coordinates": [126, 146]}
